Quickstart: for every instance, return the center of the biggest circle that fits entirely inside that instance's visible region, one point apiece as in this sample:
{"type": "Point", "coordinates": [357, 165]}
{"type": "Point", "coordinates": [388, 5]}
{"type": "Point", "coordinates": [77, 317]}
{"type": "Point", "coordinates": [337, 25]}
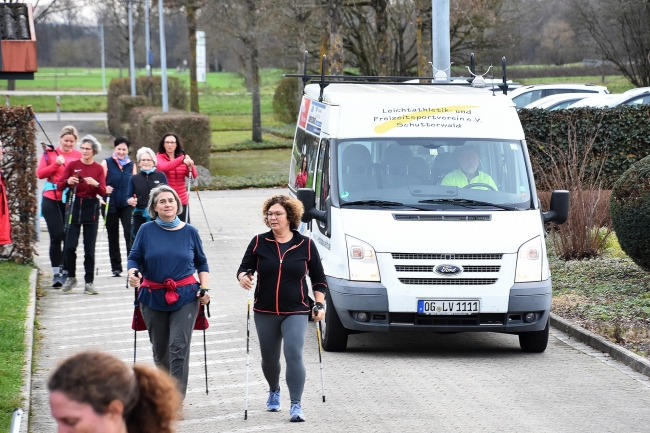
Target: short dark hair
{"type": "Point", "coordinates": [120, 140]}
{"type": "Point", "coordinates": [179, 147]}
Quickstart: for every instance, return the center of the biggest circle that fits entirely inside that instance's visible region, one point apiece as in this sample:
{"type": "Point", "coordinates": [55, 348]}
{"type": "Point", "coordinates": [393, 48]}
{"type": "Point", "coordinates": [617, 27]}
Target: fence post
{"type": "Point", "coordinates": [7, 101]}
{"type": "Point", "coordinates": [58, 108]}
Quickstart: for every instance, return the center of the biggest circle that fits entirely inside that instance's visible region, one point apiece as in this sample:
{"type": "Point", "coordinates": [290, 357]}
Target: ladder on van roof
{"type": "Point", "coordinates": [325, 80]}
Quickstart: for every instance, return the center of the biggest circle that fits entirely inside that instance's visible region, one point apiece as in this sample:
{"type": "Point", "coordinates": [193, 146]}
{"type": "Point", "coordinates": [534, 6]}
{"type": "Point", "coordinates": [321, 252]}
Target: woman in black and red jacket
{"type": "Point", "coordinates": [283, 259]}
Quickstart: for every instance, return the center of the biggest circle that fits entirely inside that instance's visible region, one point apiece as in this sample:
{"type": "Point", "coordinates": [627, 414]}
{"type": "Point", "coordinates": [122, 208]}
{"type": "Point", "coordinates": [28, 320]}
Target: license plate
{"type": "Point", "coordinates": [449, 306]}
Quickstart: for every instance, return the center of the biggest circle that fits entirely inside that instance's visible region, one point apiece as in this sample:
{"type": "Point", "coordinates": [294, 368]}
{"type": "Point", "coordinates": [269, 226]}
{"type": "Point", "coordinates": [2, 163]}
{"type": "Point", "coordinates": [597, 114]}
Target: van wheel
{"type": "Point", "coordinates": [335, 336]}
{"type": "Point", "coordinates": [534, 342]}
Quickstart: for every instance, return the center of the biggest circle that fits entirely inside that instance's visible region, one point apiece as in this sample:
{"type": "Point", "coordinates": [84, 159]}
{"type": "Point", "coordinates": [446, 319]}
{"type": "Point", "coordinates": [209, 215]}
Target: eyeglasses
{"type": "Point", "coordinates": [170, 142]}
{"type": "Point", "coordinates": [275, 214]}
{"type": "Point", "coordinates": [146, 160]}
{"type": "Point", "coordinates": [86, 148]}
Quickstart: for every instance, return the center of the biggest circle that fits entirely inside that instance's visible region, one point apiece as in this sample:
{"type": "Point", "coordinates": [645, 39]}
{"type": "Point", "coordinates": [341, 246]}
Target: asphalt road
{"type": "Point", "coordinates": [383, 383]}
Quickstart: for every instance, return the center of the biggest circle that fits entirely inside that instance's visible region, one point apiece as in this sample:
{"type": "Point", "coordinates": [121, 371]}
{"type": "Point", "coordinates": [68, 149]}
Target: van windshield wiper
{"type": "Point", "coordinates": [380, 203]}
{"type": "Point", "coordinates": [468, 202]}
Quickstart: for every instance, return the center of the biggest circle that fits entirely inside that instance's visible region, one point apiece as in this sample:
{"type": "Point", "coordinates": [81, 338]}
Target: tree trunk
{"type": "Point", "coordinates": [253, 63]}
{"type": "Point", "coordinates": [11, 84]}
{"type": "Point", "coordinates": [191, 28]}
{"type": "Point", "coordinates": [336, 37]}
{"type": "Point", "coordinates": [383, 49]}
{"type": "Point", "coordinates": [423, 35]}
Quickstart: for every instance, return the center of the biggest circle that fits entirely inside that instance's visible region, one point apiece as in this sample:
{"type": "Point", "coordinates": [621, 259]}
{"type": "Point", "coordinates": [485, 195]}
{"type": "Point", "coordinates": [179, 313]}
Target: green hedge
{"type": "Point", "coordinates": [148, 124]}
{"type": "Point", "coordinates": [621, 133]}
{"type": "Point", "coordinates": [148, 87]}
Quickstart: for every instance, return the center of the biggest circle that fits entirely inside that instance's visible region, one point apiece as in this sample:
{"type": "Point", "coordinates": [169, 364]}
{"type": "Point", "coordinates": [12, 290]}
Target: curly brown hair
{"type": "Point", "coordinates": [293, 207]}
{"type": "Point", "coordinates": [149, 395]}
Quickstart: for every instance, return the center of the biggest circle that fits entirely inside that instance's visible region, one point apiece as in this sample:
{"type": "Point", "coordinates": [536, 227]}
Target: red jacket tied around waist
{"type": "Point", "coordinates": [170, 285]}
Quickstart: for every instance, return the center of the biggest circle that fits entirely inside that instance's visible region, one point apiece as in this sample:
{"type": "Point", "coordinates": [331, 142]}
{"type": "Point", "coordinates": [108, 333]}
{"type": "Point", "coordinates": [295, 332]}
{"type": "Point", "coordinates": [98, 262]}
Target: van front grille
{"type": "Point", "coordinates": [430, 217]}
{"type": "Point", "coordinates": [404, 268]}
{"type": "Point", "coordinates": [448, 281]}
{"type": "Point", "coordinates": [417, 256]}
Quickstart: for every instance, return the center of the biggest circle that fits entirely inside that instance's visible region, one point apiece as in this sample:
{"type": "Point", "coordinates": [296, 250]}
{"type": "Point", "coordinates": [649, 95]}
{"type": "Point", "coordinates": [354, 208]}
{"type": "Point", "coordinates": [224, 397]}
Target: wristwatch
{"type": "Point", "coordinates": [318, 306]}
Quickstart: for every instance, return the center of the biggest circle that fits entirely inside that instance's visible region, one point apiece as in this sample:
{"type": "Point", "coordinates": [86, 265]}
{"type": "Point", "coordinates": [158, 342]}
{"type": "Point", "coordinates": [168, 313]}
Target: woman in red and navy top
{"type": "Point", "coordinates": [283, 259]}
{"type": "Point", "coordinates": [176, 165]}
{"type": "Point", "coordinates": [51, 166]}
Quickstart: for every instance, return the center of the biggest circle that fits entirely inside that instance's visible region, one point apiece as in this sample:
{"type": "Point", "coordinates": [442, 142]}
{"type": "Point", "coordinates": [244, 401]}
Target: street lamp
{"type": "Point", "coordinates": [163, 56]}
{"type": "Point", "coordinates": [129, 4]}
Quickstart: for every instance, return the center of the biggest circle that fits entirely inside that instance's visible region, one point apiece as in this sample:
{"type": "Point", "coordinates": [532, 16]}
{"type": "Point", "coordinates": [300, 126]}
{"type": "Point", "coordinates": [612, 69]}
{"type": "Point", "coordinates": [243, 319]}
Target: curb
{"type": "Point", "coordinates": [26, 388]}
{"type": "Point", "coordinates": [617, 352]}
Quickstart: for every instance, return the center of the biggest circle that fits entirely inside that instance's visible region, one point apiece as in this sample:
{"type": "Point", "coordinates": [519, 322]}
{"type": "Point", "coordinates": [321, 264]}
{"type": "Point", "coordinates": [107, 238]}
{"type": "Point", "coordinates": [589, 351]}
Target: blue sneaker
{"type": "Point", "coordinates": [296, 413]}
{"type": "Point", "coordinates": [273, 403]}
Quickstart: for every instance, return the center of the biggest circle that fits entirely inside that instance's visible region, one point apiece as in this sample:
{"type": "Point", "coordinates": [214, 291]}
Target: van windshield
{"type": "Point", "coordinates": [432, 174]}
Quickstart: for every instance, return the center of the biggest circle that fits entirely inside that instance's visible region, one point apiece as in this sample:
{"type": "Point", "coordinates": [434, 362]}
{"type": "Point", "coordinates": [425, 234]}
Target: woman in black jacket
{"type": "Point", "coordinates": [141, 185]}
{"type": "Point", "coordinates": [283, 258]}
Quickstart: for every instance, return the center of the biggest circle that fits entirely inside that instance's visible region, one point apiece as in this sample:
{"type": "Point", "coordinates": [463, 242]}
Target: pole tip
{"type": "Point", "coordinates": [323, 399]}
{"type": "Point", "coordinates": [245, 415]}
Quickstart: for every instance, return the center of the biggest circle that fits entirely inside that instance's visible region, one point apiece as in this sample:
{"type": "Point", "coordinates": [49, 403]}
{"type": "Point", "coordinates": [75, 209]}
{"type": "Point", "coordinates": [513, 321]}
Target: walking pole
{"type": "Point", "coordinates": [101, 241]}
{"type": "Point", "coordinates": [31, 111]}
{"type": "Point", "coordinates": [320, 358]}
{"type": "Point", "coordinates": [189, 184]}
{"type": "Point", "coordinates": [135, 304]}
{"type": "Point", "coordinates": [205, 350]}
{"type": "Point", "coordinates": [196, 188]}
{"type": "Point", "coordinates": [248, 340]}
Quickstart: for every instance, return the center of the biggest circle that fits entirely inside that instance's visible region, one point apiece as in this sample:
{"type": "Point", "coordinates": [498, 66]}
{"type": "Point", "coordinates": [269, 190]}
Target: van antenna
{"type": "Point", "coordinates": [478, 80]}
{"type": "Point", "coordinates": [505, 83]}
{"type": "Point", "coordinates": [492, 82]}
{"type": "Point", "coordinates": [305, 78]}
{"type": "Point", "coordinates": [322, 83]}
{"type": "Point", "coordinates": [472, 65]}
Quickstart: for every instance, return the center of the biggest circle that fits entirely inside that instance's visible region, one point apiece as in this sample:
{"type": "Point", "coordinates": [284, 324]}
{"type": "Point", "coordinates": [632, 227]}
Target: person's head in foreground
{"type": "Point", "coordinates": [96, 392]}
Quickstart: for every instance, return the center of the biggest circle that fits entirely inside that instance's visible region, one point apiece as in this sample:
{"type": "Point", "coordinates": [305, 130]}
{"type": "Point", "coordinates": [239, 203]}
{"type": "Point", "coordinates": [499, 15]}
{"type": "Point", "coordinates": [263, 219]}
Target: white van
{"type": "Point", "coordinates": [409, 242]}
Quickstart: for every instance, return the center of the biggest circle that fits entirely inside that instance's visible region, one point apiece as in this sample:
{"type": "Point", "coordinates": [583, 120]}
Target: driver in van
{"type": "Point", "coordinates": [468, 172]}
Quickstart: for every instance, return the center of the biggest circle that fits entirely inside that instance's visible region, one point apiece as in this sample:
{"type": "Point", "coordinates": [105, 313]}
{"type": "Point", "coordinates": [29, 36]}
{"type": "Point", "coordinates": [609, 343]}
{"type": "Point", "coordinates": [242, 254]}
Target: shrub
{"type": "Point", "coordinates": [630, 212]}
{"type": "Point", "coordinates": [577, 170]}
{"type": "Point", "coordinates": [285, 101]}
{"type": "Point", "coordinates": [622, 135]}
{"type": "Point", "coordinates": [149, 87]}
{"type": "Point", "coordinates": [18, 134]}
{"type": "Point", "coordinates": [148, 124]}
{"type": "Point", "coordinates": [126, 103]}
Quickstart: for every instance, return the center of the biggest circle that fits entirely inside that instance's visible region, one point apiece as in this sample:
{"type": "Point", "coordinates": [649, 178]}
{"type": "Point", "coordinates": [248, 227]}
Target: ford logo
{"type": "Point", "coordinates": [448, 270]}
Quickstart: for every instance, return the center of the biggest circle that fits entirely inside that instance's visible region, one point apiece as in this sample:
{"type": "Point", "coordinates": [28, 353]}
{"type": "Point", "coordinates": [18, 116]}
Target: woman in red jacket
{"type": "Point", "coordinates": [51, 167]}
{"type": "Point", "coordinates": [175, 164]}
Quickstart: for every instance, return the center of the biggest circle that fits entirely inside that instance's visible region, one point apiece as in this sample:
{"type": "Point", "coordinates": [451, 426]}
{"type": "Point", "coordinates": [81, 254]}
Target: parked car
{"type": "Point", "coordinates": [638, 96]}
{"type": "Point", "coordinates": [559, 101]}
{"type": "Point", "coordinates": [527, 94]}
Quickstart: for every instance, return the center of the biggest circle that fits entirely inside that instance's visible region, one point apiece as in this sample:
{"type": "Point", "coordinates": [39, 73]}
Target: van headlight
{"type": "Point", "coordinates": [362, 261]}
{"type": "Point", "coordinates": [529, 261]}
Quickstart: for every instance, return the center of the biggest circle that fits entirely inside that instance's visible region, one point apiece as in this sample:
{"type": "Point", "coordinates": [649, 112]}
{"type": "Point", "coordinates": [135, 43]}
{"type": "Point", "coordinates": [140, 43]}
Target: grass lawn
{"type": "Point", "coordinates": [250, 168]}
{"type": "Point", "coordinates": [241, 122]}
{"type": "Point", "coordinates": [609, 295]}
{"type": "Point", "coordinates": [14, 296]}
{"type": "Point", "coordinates": [241, 140]}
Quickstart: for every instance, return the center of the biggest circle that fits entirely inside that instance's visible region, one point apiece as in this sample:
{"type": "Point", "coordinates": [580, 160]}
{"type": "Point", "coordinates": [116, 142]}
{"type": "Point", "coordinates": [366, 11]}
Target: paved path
{"type": "Point", "coordinates": [384, 382]}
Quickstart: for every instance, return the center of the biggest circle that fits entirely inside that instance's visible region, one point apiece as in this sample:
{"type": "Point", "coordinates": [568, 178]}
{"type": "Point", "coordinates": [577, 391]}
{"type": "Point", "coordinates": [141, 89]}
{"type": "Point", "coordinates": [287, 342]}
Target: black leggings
{"type": "Point", "coordinates": [90, 236]}
{"type": "Point", "coordinates": [113, 229]}
{"type": "Point", "coordinates": [54, 214]}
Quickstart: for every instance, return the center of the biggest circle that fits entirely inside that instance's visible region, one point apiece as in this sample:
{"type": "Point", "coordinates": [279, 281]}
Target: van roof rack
{"type": "Point", "coordinates": [325, 80]}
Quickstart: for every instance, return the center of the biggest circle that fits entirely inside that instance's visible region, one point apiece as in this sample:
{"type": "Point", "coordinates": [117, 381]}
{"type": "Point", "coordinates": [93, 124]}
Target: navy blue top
{"type": "Point", "coordinates": [119, 178]}
{"type": "Point", "coordinates": [160, 254]}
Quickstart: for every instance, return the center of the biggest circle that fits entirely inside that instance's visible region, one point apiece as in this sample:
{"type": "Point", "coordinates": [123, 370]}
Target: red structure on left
{"type": "Point", "coordinates": [17, 42]}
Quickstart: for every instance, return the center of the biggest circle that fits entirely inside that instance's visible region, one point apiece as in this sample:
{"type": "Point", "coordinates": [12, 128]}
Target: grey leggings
{"type": "Point", "coordinates": [271, 330]}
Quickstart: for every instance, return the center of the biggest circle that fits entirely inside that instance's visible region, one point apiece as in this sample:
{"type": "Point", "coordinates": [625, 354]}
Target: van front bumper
{"type": "Point", "coordinates": [353, 297]}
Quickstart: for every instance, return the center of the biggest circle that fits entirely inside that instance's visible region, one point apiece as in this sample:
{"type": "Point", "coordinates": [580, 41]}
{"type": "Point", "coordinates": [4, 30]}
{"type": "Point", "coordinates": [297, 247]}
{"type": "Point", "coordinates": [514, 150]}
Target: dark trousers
{"type": "Point", "coordinates": [170, 334]}
{"type": "Point", "coordinates": [54, 214]}
{"type": "Point", "coordinates": [70, 251]}
{"type": "Point", "coordinates": [137, 221]}
{"type": "Point", "coordinates": [113, 220]}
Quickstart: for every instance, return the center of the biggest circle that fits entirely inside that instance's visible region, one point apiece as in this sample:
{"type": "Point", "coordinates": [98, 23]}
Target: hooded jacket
{"type": "Point", "coordinates": [282, 278]}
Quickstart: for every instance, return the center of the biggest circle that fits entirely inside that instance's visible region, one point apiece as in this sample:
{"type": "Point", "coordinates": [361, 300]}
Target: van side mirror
{"type": "Point", "coordinates": [559, 211]}
{"type": "Point", "coordinates": [308, 198]}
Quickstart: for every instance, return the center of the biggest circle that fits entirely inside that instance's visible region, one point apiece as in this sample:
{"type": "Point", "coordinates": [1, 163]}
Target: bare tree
{"type": "Point", "coordinates": [621, 32]}
{"type": "Point", "coordinates": [423, 36]}
{"type": "Point", "coordinates": [46, 9]}
{"type": "Point", "coordinates": [191, 7]}
{"type": "Point", "coordinates": [113, 13]}
{"type": "Point", "coordinates": [336, 44]}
